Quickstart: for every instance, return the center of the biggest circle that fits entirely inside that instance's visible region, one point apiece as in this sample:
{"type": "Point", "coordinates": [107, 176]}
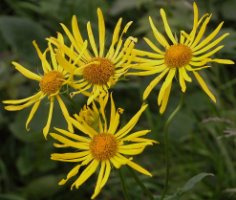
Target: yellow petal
{"type": "Point", "coordinates": [209, 37]}
{"type": "Point", "coordinates": [48, 124]}
{"type": "Point", "coordinates": [136, 134]}
{"type": "Point", "coordinates": [209, 46]}
{"type": "Point", "coordinates": [83, 127]}
{"type": "Point", "coordinates": [73, 136]}
{"type": "Point", "coordinates": [159, 37]}
{"type": "Point", "coordinates": [42, 56]}
{"type": "Point", "coordinates": [101, 30]}
{"type": "Point", "coordinates": [31, 115]}
{"type": "Point", "coordinates": [91, 39]}
{"type": "Point", "coordinates": [26, 72]}
{"type": "Point", "coordinates": [153, 46]}
{"type": "Point", "coordinates": [204, 86]}
{"type": "Point", "coordinates": [153, 83]}
{"type": "Point", "coordinates": [167, 27]}
{"type": "Point", "coordinates": [201, 32]}
{"type": "Point", "coordinates": [99, 180]}
{"type": "Point", "coordinates": [132, 122]}
{"type": "Point", "coordinates": [167, 82]}
{"type": "Point", "coordinates": [71, 173]}
{"type": "Point", "coordinates": [139, 168]}
{"type": "Point", "coordinates": [20, 101]}
{"type": "Point", "coordinates": [86, 174]}
{"type": "Point", "coordinates": [65, 113]}
{"type": "Point", "coordinates": [165, 99]}
{"type": "Point", "coordinates": [207, 55]}
{"type": "Point", "coordinates": [222, 61]}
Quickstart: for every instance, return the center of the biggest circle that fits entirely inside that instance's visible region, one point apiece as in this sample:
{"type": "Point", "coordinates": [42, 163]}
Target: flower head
{"type": "Point", "coordinates": [190, 53]}
{"type": "Point", "coordinates": [52, 80]}
{"type": "Point", "coordinates": [101, 146]}
{"type": "Point", "coordinates": [97, 69]}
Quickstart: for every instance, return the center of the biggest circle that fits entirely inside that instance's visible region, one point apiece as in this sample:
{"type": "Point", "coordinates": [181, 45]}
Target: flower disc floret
{"type": "Point", "coordinates": [99, 71]}
{"type": "Point", "coordinates": [103, 146]}
{"type": "Point", "coordinates": [178, 55]}
{"type": "Point", "coordinates": [51, 82]}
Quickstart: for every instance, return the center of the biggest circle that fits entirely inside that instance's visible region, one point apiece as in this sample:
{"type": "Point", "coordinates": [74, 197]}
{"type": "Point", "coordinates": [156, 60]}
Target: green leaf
{"type": "Point", "coordinates": [19, 33]}
{"type": "Point", "coordinates": [190, 184]}
{"type": "Point", "coordinates": [11, 197]}
{"type": "Point", "coordinates": [42, 187]}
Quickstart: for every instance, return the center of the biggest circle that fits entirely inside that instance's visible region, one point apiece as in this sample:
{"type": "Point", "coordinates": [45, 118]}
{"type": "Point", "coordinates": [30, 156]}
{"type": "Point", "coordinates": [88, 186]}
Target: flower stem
{"type": "Point", "coordinates": [145, 190]}
{"type": "Point", "coordinates": [124, 188]}
{"type": "Point", "coordinates": [166, 143]}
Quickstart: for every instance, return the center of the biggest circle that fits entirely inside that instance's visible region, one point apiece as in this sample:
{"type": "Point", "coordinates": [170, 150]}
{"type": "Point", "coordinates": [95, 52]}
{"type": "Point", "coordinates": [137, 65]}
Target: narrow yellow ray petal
{"type": "Point", "coordinates": [165, 99]}
{"type": "Point", "coordinates": [73, 136]}
{"type": "Point", "coordinates": [204, 86]}
{"type": "Point", "coordinates": [139, 168]}
{"type": "Point", "coordinates": [201, 32]}
{"type": "Point", "coordinates": [153, 83]}
{"type": "Point", "coordinates": [83, 127]}
{"type": "Point", "coordinates": [99, 180]}
{"type": "Point", "coordinates": [167, 27]}
{"type": "Point", "coordinates": [69, 142]}
{"type": "Point", "coordinates": [71, 173]}
{"type": "Point", "coordinates": [159, 37]}
{"type": "Point", "coordinates": [131, 152]}
{"type": "Point", "coordinates": [185, 75]}
{"type": "Point", "coordinates": [65, 113]}
{"type": "Point", "coordinates": [31, 115]}
{"type": "Point", "coordinates": [132, 122]}
{"type": "Point", "coordinates": [115, 38]}
{"type": "Point", "coordinates": [86, 174]}
{"type": "Point", "coordinates": [182, 80]}
{"type": "Point", "coordinates": [20, 101]}
{"type": "Point", "coordinates": [209, 46]}
{"type": "Point", "coordinates": [146, 53]}
{"type": "Point", "coordinates": [207, 55]}
{"type": "Point", "coordinates": [153, 46]}
{"type": "Point", "coordinates": [48, 124]}
{"type": "Point", "coordinates": [46, 66]}
{"type": "Point", "coordinates": [150, 72]}
{"type": "Point", "coordinates": [136, 134]}
{"type": "Point", "coordinates": [101, 30]}
{"type": "Point", "coordinates": [91, 39]}
{"type": "Point", "coordinates": [26, 72]}
{"type": "Point", "coordinates": [69, 156]}
{"type": "Point", "coordinates": [167, 82]}
{"type": "Point", "coordinates": [209, 37]}
{"type": "Point", "coordinates": [222, 61]}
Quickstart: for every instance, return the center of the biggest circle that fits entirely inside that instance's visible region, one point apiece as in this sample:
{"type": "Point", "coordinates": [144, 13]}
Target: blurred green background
{"type": "Point", "coordinates": [202, 135]}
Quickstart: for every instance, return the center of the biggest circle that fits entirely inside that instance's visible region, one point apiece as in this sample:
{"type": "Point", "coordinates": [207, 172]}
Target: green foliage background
{"type": "Point", "coordinates": [202, 136]}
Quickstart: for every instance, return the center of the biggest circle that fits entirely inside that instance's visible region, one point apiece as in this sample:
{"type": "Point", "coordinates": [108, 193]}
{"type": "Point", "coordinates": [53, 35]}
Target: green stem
{"type": "Point", "coordinates": [145, 190]}
{"type": "Point", "coordinates": [124, 188]}
{"type": "Point", "coordinates": [166, 143]}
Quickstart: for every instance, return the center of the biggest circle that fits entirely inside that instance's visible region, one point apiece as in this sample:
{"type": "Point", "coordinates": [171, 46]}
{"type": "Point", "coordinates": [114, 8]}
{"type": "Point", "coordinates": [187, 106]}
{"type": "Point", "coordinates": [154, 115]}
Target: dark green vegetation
{"type": "Point", "coordinates": [202, 136]}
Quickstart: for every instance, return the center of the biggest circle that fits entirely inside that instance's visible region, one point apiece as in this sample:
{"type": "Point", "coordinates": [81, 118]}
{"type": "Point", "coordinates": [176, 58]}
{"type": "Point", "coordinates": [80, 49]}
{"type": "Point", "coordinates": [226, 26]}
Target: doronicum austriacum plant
{"type": "Point", "coordinates": [97, 140]}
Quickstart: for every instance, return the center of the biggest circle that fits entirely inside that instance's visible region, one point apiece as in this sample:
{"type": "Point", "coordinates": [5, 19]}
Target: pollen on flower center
{"type": "Point", "coordinates": [178, 55]}
{"type": "Point", "coordinates": [51, 82]}
{"type": "Point", "coordinates": [99, 73]}
{"type": "Point", "coordinates": [103, 146]}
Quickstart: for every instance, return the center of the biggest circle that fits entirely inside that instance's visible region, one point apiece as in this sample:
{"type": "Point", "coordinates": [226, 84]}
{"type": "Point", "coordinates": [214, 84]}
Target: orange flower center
{"type": "Point", "coordinates": [178, 55]}
{"type": "Point", "coordinates": [103, 146]}
{"type": "Point", "coordinates": [51, 82]}
{"type": "Point", "coordinates": [99, 73]}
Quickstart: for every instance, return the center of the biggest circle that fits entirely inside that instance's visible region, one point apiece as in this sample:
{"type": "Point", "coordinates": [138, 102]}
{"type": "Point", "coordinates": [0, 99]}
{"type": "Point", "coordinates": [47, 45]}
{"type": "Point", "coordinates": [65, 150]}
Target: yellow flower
{"type": "Point", "coordinates": [50, 83]}
{"type": "Point", "coordinates": [190, 53]}
{"type": "Point", "coordinates": [102, 148]}
{"type": "Point", "coordinates": [98, 69]}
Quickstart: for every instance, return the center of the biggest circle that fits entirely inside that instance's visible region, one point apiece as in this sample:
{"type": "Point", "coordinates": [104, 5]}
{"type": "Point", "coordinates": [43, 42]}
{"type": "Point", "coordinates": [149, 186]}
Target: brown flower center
{"type": "Point", "coordinates": [51, 82]}
{"type": "Point", "coordinates": [178, 55]}
{"type": "Point", "coordinates": [99, 73]}
{"type": "Point", "coordinates": [103, 146]}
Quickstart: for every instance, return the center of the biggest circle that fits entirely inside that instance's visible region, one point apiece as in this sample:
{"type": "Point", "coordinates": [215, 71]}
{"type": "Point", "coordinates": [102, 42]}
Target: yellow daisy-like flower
{"type": "Point", "coordinates": [50, 83]}
{"type": "Point", "coordinates": [190, 53]}
{"type": "Point", "coordinates": [102, 147]}
{"type": "Point", "coordinates": [97, 68]}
